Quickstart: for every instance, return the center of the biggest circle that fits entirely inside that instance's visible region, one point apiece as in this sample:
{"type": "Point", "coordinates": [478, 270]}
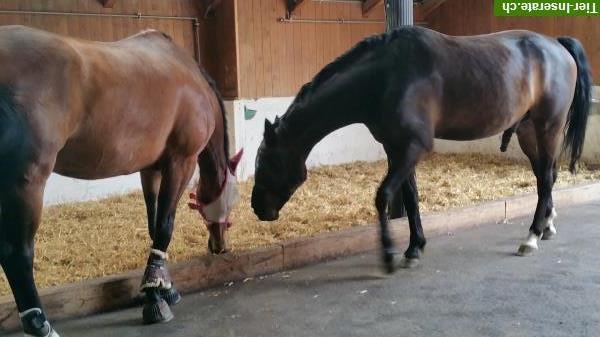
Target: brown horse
{"type": "Point", "coordinates": [92, 110]}
{"type": "Point", "coordinates": [412, 85]}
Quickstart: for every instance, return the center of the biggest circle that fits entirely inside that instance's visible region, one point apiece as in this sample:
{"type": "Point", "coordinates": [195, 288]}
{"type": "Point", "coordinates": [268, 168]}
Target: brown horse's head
{"type": "Point", "coordinates": [279, 172]}
{"type": "Point", "coordinates": [216, 213]}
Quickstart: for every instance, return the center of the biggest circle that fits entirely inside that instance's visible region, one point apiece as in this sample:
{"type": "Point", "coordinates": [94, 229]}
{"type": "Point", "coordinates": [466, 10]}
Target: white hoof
{"type": "Point", "coordinates": [52, 333]}
{"type": "Point", "coordinates": [529, 246]}
{"type": "Point", "coordinates": [550, 230]}
{"type": "Point", "coordinates": [407, 263]}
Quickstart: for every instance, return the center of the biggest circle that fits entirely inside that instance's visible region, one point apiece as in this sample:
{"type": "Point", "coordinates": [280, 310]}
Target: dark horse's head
{"type": "Point", "coordinates": [279, 172]}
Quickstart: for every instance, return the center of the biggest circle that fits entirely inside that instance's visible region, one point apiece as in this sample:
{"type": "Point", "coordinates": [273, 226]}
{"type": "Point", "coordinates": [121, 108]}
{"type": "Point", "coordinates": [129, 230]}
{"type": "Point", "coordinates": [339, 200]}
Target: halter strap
{"type": "Point", "coordinates": [200, 206]}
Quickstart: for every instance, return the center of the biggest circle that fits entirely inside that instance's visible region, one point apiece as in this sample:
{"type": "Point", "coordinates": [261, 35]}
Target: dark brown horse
{"type": "Point", "coordinates": [412, 85]}
{"type": "Point", "coordinates": [92, 110]}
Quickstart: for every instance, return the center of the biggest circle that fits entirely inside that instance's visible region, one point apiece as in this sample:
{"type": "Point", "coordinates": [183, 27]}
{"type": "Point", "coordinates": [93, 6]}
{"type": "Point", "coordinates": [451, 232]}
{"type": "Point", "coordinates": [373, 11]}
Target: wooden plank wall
{"type": "Point", "coordinates": [468, 17]}
{"type": "Point", "coordinates": [111, 28]}
{"type": "Point", "coordinates": [276, 58]}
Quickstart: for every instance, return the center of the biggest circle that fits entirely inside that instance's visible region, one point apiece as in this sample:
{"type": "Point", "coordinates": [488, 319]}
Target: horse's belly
{"type": "Point", "coordinates": [77, 160]}
{"type": "Point", "coordinates": [473, 124]}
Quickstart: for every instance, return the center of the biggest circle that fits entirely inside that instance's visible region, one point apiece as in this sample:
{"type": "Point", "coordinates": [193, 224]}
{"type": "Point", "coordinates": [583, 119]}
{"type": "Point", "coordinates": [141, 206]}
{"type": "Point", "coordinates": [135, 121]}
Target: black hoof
{"type": "Point", "coordinates": [171, 296]}
{"type": "Point", "coordinates": [388, 262]}
{"type": "Point", "coordinates": [156, 312]}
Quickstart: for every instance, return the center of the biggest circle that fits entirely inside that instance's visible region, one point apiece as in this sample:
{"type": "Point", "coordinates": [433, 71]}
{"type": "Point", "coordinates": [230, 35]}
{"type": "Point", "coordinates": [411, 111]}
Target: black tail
{"type": "Point", "coordinates": [15, 140]}
{"type": "Point", "coordinates": [580, 108]}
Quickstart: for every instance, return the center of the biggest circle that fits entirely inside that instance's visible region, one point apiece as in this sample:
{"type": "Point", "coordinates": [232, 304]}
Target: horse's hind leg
{"type": "Point", "coordinates": [417, 238]}
{"type": "Point", "coordinates": [547, 135]}
{"type": "Point", "coordinates": [21, 203]}
{"type": "Point", "coordinates": [528, 143]}
{"type": "Point", "coordinates": [402, 161]}
{"type": "Point", "coordinates": [156, 282]}
{"type": "Point", "coordinates": [151, 186]}
{"type": "Point", "coordinates": [151, 179]}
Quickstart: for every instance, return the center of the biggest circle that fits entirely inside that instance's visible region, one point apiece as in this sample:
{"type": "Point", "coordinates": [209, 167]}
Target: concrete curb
{"type": "Point", "coordinates": [120, 291]}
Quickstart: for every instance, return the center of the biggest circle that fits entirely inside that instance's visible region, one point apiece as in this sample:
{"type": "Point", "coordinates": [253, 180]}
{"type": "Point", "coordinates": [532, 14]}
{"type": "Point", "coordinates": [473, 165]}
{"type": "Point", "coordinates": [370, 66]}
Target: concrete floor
{"type": "Point", "coordinates": [468, 284]}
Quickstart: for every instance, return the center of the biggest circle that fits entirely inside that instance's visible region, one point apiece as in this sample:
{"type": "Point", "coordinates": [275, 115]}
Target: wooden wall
{"type": "Point", "coordinates": [467, 17]}
{"type": "Point", "coordinates": [112, 28]}
{"type": "Point", "coordinates": [275, 59]}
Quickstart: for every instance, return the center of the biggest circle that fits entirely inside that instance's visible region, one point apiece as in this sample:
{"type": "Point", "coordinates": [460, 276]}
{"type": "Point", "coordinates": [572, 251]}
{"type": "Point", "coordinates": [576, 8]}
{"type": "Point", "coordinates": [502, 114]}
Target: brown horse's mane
{"type": "Point", "coordinates": [214, 87]}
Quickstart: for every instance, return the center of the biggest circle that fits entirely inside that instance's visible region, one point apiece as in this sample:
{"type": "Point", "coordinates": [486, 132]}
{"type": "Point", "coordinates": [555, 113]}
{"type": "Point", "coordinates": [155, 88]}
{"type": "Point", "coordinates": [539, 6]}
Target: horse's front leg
{"type": "Point", "coordinates": [417, 238]}
{"type": "Point", "coordinates": [401, 162]}
{"type": "Point", "coordinates": [157, 283]}
{"type": "Point", "coordinates": [20, 215]}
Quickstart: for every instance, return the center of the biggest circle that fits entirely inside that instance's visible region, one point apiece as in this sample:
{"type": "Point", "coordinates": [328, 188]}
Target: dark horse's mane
{"type": "Point", "coordinates": [213, 86]}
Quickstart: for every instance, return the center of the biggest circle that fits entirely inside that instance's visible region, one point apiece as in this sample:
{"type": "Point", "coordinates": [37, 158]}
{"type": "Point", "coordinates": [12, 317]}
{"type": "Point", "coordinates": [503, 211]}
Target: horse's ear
{"type": "Point", "coordinates": [235, 160]}
{"type": "Point", "coordinates": [270, 135]}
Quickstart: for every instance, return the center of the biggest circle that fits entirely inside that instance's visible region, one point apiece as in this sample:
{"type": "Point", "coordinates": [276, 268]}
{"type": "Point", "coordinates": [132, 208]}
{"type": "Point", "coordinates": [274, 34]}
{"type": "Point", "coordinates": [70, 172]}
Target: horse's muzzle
{"type": "Point", "coordinates": [267, 215]}
{"type": "Point", "coordinates": [217, 240]}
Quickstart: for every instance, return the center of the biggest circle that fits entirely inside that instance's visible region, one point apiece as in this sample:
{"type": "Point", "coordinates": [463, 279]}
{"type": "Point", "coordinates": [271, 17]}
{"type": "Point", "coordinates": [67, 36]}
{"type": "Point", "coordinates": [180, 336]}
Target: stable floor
{"type": "Point", "coordinates": [468, 284]}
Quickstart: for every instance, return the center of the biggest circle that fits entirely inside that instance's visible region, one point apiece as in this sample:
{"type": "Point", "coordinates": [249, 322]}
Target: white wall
{"type": "Point", "coordinates": [61, 189]}
{"type": "Point", "coordinates": [346, 145]}
{"type": "Point", "coordinates": [349, 144]}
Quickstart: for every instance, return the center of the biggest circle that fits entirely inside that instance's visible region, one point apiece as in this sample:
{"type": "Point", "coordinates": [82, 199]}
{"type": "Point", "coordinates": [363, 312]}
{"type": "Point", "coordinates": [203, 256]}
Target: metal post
{"type": "Point", "coordinates": [398, 13]}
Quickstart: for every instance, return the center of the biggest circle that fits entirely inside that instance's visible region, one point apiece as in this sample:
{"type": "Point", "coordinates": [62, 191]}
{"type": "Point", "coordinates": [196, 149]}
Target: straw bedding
{"type": "Point", "coordinates": [90, 239]}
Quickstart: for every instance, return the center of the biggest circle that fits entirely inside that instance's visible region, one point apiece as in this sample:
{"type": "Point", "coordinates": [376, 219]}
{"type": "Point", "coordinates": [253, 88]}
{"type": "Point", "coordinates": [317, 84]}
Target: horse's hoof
{"type": "Point", "coordinates": [388, 262]}
{"type": "Point", "coordinates": [171, 296]}
{"type": "Point", "coordinates": [549, 233]}
{"type": "Point", "coordinates": [526, 250]}
{"type": "Point", "coordinates": [157, 312]}
{"type": "Point", "coordinates": [408, 263]}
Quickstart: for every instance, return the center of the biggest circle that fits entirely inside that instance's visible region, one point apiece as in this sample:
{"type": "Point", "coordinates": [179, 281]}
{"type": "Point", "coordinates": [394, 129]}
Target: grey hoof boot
{"type": "Point", "coordinates": [35, 324]}
{"type": "Point", "coordinates": [156, 312]}
{"type": "Point", "coordinates": [171, 296]}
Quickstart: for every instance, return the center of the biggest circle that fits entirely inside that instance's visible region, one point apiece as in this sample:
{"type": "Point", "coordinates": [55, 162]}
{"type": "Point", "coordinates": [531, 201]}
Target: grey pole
{"type": "Point", "coordinates": [398, 13]}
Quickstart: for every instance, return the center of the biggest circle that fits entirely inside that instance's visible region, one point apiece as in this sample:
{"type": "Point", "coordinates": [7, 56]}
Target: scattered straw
{"type": "Point", "coordinates": [90, 239]}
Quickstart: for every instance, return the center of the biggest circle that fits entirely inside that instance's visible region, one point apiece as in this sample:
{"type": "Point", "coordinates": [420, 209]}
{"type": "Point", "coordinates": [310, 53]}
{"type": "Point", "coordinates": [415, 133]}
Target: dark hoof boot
{"type": "Point", "coordinates": [157, 312]}
{"type": "Point", "coordinates": [171, 296]}
{"type": "Point", "coordinates": [408, 262]}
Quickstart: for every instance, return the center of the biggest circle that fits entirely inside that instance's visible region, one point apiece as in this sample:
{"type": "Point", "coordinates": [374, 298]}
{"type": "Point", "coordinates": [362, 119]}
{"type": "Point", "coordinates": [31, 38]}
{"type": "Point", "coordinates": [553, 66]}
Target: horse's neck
{"type": "Point", "coordinates": [306, 126]}
{"type": "Point", "coordinates": [213, 162]}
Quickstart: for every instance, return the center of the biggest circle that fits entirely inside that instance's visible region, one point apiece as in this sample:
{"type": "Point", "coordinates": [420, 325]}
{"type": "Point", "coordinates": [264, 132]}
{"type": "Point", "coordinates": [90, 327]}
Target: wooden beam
{"type": "Point", "coordinates": [292, 5]}
{"type": "Point", "coordinates": [429, 6]}
{"type": "Point", "coordinates": [210, 6]}
{"type": "Point", "coordinates": [108, 3]}
{"type": "Point", "coordinates": [368, 5]}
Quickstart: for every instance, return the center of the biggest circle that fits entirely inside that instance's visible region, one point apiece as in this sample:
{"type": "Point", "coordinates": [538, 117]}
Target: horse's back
{"type": "Point", "coordinates": [144, 91]}
{"type": "Point", "coordinates": [485, 83]}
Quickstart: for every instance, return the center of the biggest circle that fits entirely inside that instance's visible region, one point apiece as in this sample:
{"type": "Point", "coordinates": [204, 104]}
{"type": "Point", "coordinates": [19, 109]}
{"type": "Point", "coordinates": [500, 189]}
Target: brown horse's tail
{"type": "Point", "coordinates": [580, 108]}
